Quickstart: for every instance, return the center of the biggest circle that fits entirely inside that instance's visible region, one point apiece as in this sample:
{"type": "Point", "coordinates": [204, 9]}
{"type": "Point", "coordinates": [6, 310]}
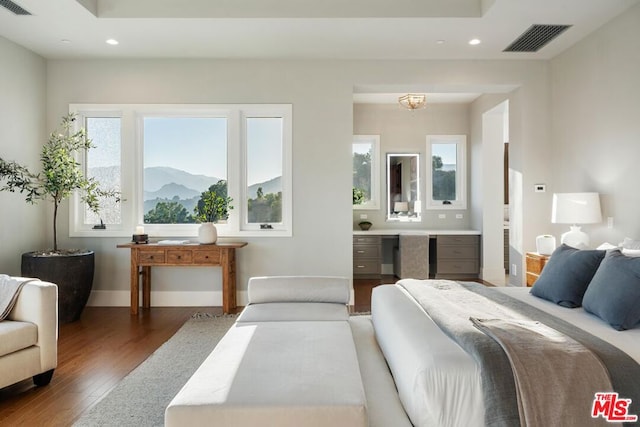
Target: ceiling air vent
{"type": "Point", "coordinates": [11, 6]}
{"type": "Point", "coordinates": [536, 37]}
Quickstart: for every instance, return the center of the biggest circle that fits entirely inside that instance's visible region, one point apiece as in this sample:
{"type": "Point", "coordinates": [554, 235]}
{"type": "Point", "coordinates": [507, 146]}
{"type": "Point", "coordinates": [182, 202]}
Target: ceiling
{"type": "Point", "coordinates": [298, 29]}
{"type": "Point", "coordinates": [303, 29]}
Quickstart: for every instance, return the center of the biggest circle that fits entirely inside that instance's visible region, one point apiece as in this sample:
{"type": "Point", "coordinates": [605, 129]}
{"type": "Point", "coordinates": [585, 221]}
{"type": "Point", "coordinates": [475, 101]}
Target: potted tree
{"type": "Point", "coordinates": [214, 205]}
{"type": "Point", "coordinates": [61, 175]}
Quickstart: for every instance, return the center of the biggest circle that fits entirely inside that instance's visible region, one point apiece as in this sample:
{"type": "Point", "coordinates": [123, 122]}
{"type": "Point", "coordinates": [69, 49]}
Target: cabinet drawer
{"type": "Point", "coordinates": [535, 264]}
{"type": "Point", "coordinates": [460, 251]}
{"type": "Point", "coordinates": [458, 267]}
{"type": "Point", "coordinates": [531, 278]}
{"type": "Point", "coordinates": [366, 251]}
{"type": "Point", "coordinates": [457, 240]}
{"type": "Point", "coordinates": [366, 240]}
{"type": "Point", "coordinates": [366, 267]}
{"type": "Point", "coordinates": [151, 257]}
{"type": "Point", "coordinates": [206, 257]}
{"type": "Point", "coordinates": [179, 257]}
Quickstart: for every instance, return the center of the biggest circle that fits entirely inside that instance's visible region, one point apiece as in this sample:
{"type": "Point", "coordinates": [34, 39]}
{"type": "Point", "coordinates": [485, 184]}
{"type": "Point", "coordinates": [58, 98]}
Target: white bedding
{"type": "Point", "coordinates": [437, 381]}
{"type": "Point", "coordinates": [628, 341]}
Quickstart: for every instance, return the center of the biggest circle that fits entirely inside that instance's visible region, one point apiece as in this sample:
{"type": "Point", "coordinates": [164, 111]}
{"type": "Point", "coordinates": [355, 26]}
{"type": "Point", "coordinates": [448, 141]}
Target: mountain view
{"type": "Point", "coordinates": [166, 184]}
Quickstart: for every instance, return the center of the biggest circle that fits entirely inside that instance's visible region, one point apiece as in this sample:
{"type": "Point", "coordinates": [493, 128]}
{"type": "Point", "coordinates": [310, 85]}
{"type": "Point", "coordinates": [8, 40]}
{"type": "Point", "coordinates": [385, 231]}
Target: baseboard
{"type": "Point", "coordinates": [163, 299]}
{"type": "Point", "coordinates": [494, 276]}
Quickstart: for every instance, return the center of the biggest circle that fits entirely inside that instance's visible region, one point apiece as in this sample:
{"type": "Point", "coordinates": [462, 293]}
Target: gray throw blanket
{"type": "Point", "coordinates": [548, 368]}
{"type": "Point", "coordinates": [9, 291]}
{"type": "Point", "coordinates": [450, 305]}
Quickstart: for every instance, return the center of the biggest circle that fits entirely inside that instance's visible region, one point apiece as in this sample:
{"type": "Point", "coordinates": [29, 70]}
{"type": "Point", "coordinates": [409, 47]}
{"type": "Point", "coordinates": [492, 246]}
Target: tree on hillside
{"type": "Point", "coordinates": [168, 213]}
{"type": "Point", "coordinates": [436, 162]}
{"type": "Point", "coordinates": [265, 208]}
{"type": "Point", "coordinates": [362, 173]}
{"type": "Point", "coordinates": [444, 182]}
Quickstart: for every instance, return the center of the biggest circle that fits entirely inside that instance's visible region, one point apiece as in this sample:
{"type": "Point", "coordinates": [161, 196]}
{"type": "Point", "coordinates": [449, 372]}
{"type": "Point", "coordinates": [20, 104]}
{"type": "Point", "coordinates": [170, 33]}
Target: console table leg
{"type": "Point", "coordinates": [134, 282]}
{"type": "Point", "coordinates": [228, 263]}
{"type": "Point", "coordinates": [146, 287]}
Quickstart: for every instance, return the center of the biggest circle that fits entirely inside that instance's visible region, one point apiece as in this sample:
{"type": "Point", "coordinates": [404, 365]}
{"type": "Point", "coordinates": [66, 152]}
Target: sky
{"type": "Point", "coordinates": [446, 151]}
{"type": "Point", "coordinates": [197, 145]}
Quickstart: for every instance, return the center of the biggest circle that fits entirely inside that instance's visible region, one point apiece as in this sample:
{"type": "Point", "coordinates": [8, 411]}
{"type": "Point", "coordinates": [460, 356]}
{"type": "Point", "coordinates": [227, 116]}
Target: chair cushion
{"type": "Point", "coordinates": [16, 336]}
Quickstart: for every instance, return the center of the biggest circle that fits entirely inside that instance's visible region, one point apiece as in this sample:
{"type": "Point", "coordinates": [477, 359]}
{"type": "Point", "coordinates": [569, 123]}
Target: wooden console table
{"type": "Point", "coordinates": [145, 256]}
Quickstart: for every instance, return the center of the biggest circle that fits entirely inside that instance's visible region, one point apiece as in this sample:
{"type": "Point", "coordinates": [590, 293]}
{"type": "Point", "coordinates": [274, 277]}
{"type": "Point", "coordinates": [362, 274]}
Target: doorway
{"type": "Point", "coordinates": [495, 217]}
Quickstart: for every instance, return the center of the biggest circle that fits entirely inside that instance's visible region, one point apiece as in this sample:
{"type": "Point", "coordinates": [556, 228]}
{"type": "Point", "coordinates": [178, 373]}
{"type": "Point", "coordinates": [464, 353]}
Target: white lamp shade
{"type": "Point", "coordinates": [576, 208]}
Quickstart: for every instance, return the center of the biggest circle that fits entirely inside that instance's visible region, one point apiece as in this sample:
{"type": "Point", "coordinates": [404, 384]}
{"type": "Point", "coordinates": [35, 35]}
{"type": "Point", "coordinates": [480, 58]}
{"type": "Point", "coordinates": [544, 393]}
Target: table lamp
{"type": "Point", "coordinates": [576, 208]}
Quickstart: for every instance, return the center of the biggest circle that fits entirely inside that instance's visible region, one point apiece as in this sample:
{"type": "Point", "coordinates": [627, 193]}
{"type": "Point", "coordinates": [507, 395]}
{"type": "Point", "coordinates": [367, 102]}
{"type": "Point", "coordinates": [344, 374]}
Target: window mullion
{"type": "Point", "coordinates": [235, 169]}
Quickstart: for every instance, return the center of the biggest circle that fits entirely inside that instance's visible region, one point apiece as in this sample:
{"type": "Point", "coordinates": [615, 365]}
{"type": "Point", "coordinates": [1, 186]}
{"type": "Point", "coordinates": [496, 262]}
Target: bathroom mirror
{"type": "Point", "coordinates": [403, 187]}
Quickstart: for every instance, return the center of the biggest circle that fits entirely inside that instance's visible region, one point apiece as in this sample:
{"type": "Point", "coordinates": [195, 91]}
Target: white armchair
{"type": "Point", "coordinates": [29, 336]}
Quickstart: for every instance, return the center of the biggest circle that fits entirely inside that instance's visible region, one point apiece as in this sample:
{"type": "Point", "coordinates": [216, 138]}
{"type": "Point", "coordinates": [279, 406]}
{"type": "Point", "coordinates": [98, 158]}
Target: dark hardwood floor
{"type": "Point", "coordinates": [94, 354]}
{"type": "Point", "coordinates": [362, 291]}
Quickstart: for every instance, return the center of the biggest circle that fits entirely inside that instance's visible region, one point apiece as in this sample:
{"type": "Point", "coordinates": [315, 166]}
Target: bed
{"type": "Point", "coordinates": [441, 383]}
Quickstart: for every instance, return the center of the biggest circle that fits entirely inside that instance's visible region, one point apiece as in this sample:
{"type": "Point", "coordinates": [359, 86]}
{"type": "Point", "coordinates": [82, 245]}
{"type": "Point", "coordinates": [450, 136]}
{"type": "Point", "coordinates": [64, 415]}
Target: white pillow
{"type": "Point", "coordinates": [631, 252]}
{"type": "Point", "coordinates": [628, 243]}
{"type": "Point", "coordinates": [606, 246]}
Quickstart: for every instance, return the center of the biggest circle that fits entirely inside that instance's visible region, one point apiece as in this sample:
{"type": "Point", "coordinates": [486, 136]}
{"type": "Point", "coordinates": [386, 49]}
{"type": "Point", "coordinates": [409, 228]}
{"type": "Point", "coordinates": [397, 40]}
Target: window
{"type": "Point", "coordinates": [447, 165]}
{"type": "Point", "coordinates": [104, 166]}
{"type": "Point", "coordinates": [264, 179]}
{"type": "Point", "coordinates": [165, 156]}
{"type": "Point", "coordinates": [182, 158]}
{"type": "Point", "coordinates": [103, 163]}
{"type": "Point", "coordinates": [366, 171]}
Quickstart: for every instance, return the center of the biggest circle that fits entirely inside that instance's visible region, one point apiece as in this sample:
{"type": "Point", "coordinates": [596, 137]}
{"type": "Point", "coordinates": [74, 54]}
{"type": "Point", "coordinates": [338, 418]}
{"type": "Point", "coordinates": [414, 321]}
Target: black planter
{"type": "Point", "coordinates": [73, 273]}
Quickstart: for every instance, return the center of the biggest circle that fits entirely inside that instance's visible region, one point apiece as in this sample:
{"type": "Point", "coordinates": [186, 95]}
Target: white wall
{"type": "Point", "coordinates": [321, 94]}
{"type": "Point", "coordinates": [22, 132]}
{"type": "Point", "coordinates": [321, 158]}
{"type": "Point", "coordinates": [403, 131]}
{"type": "Point", "coordinates": [595, 106]}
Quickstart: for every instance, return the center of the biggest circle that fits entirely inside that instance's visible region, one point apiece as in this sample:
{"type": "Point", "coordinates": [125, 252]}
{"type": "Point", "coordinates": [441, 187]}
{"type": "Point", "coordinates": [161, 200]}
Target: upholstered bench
{"type": "Point", "coordinates": [290, 360]}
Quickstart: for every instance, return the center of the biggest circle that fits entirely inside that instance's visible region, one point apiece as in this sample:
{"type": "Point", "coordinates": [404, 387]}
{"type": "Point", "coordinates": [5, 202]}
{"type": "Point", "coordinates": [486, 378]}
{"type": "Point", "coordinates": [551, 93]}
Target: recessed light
{"type": "Point", "coordinates": [474, 42]}
{"type": "Point", "coordinates": [112, 42]}
{"type": "Point", "coordinates": [440, 41]}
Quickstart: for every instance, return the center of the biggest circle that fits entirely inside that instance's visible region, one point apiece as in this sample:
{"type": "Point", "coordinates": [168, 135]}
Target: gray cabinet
{"type": "Point", "coordinates": [457, 256]}
{"type": "Point", "coordinates": [367, 254]}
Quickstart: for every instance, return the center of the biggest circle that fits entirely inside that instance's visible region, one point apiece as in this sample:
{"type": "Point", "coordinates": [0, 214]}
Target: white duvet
{"type": "Point", "coordinates": [438, 383]}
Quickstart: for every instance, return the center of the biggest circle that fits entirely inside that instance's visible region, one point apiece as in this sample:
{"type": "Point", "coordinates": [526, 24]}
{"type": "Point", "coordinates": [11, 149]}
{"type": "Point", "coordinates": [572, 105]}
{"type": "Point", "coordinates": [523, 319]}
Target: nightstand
{"type": "Point", "coordinates": [535, 264]}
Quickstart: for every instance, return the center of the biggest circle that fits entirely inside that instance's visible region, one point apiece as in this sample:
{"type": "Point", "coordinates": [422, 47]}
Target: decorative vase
{"type": "Point", "coordinates": [364, 225]}
{"type": "Point", "coordinates": [545, 244]}
{"type": "Point", "coordinates": [207, 233]}
{"type": "Point", "coordinates": [72, 273]}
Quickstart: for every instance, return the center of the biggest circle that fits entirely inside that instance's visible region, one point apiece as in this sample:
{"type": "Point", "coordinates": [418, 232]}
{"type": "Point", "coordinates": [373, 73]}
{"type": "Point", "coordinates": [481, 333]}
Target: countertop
{"type": "Point", "coordinates": [395, 232]}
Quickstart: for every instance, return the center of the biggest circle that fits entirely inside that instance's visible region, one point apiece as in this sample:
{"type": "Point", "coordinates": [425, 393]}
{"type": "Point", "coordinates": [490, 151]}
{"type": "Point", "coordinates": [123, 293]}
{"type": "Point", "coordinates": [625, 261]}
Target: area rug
{"type": "Point", "coordinates": [142, 396]}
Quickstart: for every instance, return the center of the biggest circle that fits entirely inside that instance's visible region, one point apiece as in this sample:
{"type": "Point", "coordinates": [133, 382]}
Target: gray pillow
{"type": "Point", "coordinates": [614, 292]}
{"type": "Point", "coordinates": [565, 277]}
